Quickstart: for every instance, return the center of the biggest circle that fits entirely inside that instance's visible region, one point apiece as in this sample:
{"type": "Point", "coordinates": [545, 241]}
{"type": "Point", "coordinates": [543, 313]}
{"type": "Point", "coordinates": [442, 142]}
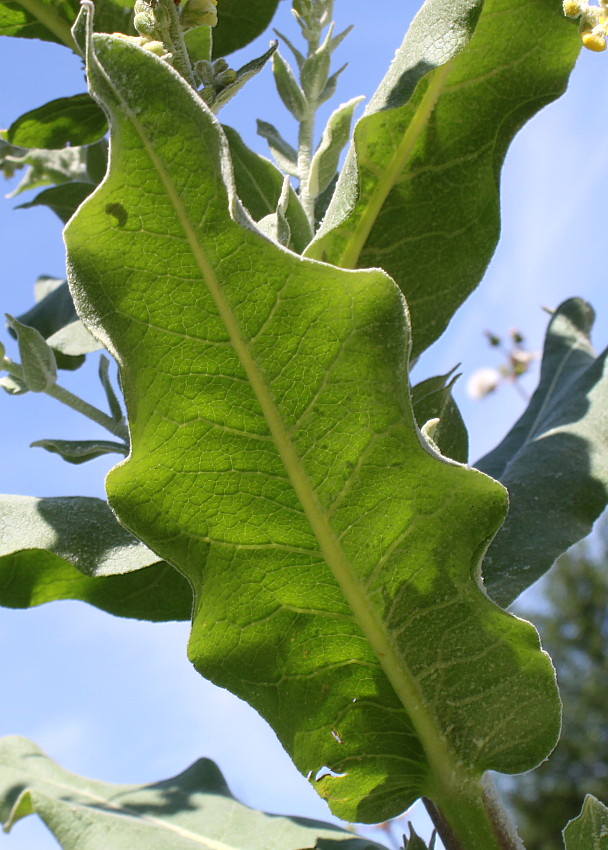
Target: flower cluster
{"type": "Point", "coordinates": [593, 25]}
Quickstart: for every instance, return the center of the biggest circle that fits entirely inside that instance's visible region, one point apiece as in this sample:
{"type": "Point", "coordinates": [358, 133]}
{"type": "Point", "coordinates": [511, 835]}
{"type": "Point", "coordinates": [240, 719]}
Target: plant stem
{"type": "Point", "coordinates": [174, 42]}
{"type": "Point", "coordinates": [306, 136]}
{"type": "Point", "coordinates": [119, 429]}
{"type": "Point", "coordinates": [305, 145]}
{"type": "Point", "coordinates": [472, 818]}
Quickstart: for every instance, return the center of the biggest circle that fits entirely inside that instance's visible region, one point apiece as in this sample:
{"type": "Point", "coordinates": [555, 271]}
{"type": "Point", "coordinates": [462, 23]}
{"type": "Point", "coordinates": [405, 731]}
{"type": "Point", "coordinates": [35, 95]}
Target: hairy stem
{"type": "Point", "coordinates": [119, 429]}
{"type": "Point", "coordinates": [174, 42]}
{"type": "Point", "coordinates": [472, 817]}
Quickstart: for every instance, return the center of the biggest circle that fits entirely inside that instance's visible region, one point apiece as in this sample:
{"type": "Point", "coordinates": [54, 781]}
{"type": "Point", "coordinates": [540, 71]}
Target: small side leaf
{"type": "Point", "coordinates": [80, 451]}
{"type": "Point", "coordinates": [289, 91]}
{"type": "Point", "coordinates": [432, 399]}
{"type": "Point", "coordinates": [54, 317]}
{"type": "Point", "coordinates": [336, 135]}
{"type": "Point", "coordinates": [285, 155]}
{"type": "Point", "coordinates": [259, 185]}
{"type": "Point", "coordinates": [37, 357]}
{"type": "Point", "coordinates": [243, 75]}
{"type": "Point", "coordinates": [191, 811]}
{"type": "Point", "coordinates": [12, 385]}
{"type": "Point", "coordinates": [589, 831]}
{"type": "Point", "coordinates": [553, 461]}
{"type": "Point", "coordinates": [104, 377]}
{"type": "Point", "coordinates": [275, 225]}
{"type": "Point", "coordinates": [71, 121]}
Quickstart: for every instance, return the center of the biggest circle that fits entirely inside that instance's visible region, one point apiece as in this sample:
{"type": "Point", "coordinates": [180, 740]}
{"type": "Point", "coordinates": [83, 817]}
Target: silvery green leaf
{"type": "Point", "coordinates": [285, 155]}
{"type": "Point", "coordinates": [290, 92]}
{"type": "Point", "coordinates": [80, 451]}
{"type": "Point", "coordinates": [315, 70]}
{"type": "Point", "coordinates": [243, 75]}
{"type": "Point", "coordinates": [553, 461]}
{"type": "Point", "coordinates": [37, 358]}
{"type": "Point", "coordinates": [192, 811]}
{"type": "Point", "coordinates": [324, 165]}
{"type": "Point", "coordinates": [297, 54]}
{"type": "Point", "coordinates": [74, 340]}
{"type": "Point", "coordinates": [12, 385]}
{"type": "Point", "coordinates": [104, 377]}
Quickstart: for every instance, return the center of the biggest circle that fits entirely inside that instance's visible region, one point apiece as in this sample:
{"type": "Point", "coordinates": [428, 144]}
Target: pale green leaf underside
{"type": "Point", "coordinates": [589, 831]}
{"type": "Point", "coordinates": [191, 811]}
{"type": "Point", "coordinates": [553, 461]}
{"type": "Point", "coordinates": [275, 460]}
{"type": "Point", "coordinates": [418, 196]}
{"type": "Point", "coordinates": [73, 548]}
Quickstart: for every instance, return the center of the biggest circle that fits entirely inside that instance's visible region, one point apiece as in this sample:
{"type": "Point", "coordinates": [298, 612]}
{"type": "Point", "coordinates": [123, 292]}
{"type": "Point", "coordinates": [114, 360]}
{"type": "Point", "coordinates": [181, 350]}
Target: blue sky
{"type": "Point", "coordinates": [117, 700]}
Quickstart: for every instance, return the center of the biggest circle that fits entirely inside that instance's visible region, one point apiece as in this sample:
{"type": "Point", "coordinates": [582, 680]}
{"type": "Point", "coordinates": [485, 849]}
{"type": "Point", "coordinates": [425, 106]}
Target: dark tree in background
{"type": "Point", "coordinates": [574, 628]}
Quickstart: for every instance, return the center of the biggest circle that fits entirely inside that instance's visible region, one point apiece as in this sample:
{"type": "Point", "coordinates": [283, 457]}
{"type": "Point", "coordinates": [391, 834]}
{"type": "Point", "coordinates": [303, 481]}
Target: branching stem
{"type": "Point", "coordinates": [119, 429]}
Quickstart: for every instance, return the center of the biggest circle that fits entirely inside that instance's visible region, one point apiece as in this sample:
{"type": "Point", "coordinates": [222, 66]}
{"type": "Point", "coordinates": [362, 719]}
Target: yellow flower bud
{"type": "Point", "coordinates": [572, 8]}
{"type": "Point", "coordinates": [594, 41]}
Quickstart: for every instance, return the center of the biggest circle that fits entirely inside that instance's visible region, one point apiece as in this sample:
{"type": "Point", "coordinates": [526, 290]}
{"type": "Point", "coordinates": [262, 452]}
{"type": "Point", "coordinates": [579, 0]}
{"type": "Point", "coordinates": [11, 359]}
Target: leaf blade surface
{"type": "Point", "coordinates": [553, 460]}
{"type": "Point", "coordinates": [418, 195]}
{"type": "Point", "coordinates": [275, 459]}
{"type": "Point", "coordinates": [192, 811]}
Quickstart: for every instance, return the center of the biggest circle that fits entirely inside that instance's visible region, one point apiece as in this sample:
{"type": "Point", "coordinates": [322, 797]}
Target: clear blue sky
{"type": "Point", "coordinates": [116, 699]}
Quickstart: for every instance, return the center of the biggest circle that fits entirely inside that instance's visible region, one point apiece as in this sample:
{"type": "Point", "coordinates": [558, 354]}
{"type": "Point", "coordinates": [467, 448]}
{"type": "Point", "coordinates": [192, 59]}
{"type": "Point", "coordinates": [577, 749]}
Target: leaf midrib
{"type": "Point", "coordinates": [392, 664]}
{"type": "Point", "coordinates": [394, 169]}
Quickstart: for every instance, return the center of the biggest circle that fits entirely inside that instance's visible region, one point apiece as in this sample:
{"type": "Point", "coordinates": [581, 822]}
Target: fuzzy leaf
{"type": "Point", "coordinates": [80, 451]}
{"type": "Point", "coordinates": [259, 185]}
{"type": "Point", "coordinates": [192, 811]}
{"type": "Point", "coordinates": [285, 155]}
{"type": "Point", "coordinates": [418, 195]}
{"type": "Point", "coordinates": [553, 461]}
{"type": "Point", "coordinates": [73, 120]}
{"type": "Point", "coordinates": [589, 831]}
{"type": "Point", "coordinates": [288, 88]}
{"type": "Point", "coordinates": [336, 135]}
{"type": "Point", "coordinates": [275, 460]}
{"type": "Point", "coordinates": [73, 548]}
{"type": "Point", "coordinates": [63, 200]}
{"type": "Point", "coordinates": [37, 358]}
{"type": "Point", "coordinates": [55, 317]}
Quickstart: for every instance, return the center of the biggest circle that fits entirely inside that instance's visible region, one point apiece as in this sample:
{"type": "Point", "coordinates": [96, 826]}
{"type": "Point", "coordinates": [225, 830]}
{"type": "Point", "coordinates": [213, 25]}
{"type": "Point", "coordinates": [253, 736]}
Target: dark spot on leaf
{"type": "Point", "coordinates": [118, 212]}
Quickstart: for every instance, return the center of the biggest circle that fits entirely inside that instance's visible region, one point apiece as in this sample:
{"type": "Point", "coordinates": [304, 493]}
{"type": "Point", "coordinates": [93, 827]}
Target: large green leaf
{"type": "Point", "coordinates": [51, 20]}
{"type": "Point", "coordinates": [239, 23]}
{"type": "Point", "coordinates": [192, 811]}
{"type": "Point", "coordinates": [73, 548]}
{"type": "Point", "coordinates": [553, 462]}
{"type": "Point", "coordinates": [276, 461]}
{"type": "Point", "coordinates": [589, 831]}
{"type": "Point", "coordinates": [75, 120]}
{"type": "Point", "coordinates": [419, 193]}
